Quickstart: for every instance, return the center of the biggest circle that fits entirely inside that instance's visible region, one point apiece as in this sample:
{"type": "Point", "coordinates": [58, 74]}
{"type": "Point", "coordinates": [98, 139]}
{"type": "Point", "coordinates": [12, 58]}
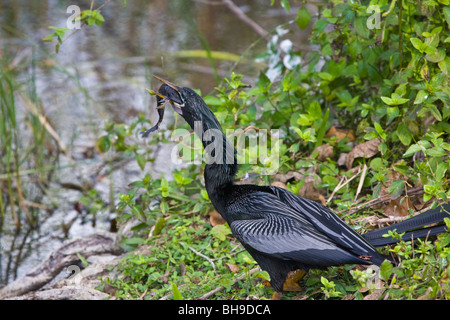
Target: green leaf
{"type": "Point", "coordinates": [394, 100]}
{"type": "Point", "coordinates": [315, 111]}
{"type": "Point", "coordinates": [133, 241]}
{"type": "Point", "coordinates": [212, 101]}
{"type": "Point", "coordinates": [440, 171]}
{"type": "Point", "coordinates": [84, 262]}
{"type": "Point", "coordinates": [446, 11]}
{"type": "Point", "coordinates": [436, 56]}
{"type": "Point", "coordinates": [386, 270]}
{"type": "Point", "coordinates": [380, 130]}
{"type": "Point", "coordinates": [436, 152]}
{"type": "Point", "coordinates": [418, 44]}
{"type": "Point", "coordinates": [99, 19]}
{"type": "Point", "coordinates": [103, 144]}
{"type": "Point", "coordinates": [404, 134]}
{"type": "Point", "coordinates": [421, 96]}
{"type": "Point", "coordinates": [303, 18]}
{"type": "Point", "coordinates": [435, 112]}
{"type": "Point", "coordinates": [325, 76]}
{"type": "Point", "coordinates": [220, 231]}
{"type": "Point", "coordinates": [361, 27]}
{"type": "Point", "coordinates": [396, 188]}
{"type": "Point", "coordinates": [159, 225]}
{"type": "Point", "coordinates": [387, 100]}
{"type": "Point", "coordinates": [164, 187]}
{"type": "Point", "coordinates": [139, 213]}
{"type": "Point", "coordinates": [286, 5]}
{"type": "Point", "coordinates": [176, 293]}
{"type": "Point", "coordinates": [320, 25]}
{"type": "Point", "coordinates": [262, 274]}
{"type": "Point", "coordinates": [392, 113]}
{"type": "Point", "coordinates": [140, 159]}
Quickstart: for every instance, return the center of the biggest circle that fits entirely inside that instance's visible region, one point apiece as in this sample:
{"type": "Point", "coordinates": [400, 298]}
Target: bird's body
{"type": "Point", "coordinates": [282, 231]}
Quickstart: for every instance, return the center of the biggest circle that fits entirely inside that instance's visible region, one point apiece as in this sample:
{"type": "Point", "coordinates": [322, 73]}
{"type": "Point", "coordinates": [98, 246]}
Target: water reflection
{"type": "Point", "coordinates": [99, 74]}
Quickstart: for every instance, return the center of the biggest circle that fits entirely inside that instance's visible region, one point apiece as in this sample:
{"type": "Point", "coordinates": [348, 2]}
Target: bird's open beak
{"type": "Point", "coordinates": [170, 84]}
{"type": "Point", "coordinates": [173, 97]}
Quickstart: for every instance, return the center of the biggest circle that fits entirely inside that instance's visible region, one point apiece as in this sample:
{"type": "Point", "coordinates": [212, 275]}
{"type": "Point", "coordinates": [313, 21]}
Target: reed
{"type": "Point", "coordinates": [20, 149]}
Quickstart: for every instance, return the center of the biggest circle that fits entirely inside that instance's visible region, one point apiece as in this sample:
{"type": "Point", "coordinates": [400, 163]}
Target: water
{"type": "Point", "coordinates": [99, 74]}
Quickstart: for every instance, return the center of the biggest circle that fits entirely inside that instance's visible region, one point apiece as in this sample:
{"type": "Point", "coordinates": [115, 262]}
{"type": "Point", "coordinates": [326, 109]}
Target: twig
{"type": "Point", "coordinates": [376, 201]}
{"type": "Point", "coordinates": [32, 108]}
{"type": "Point", "coordinates": [204, 257]}
{"type": "Point", "coordinates": [220, 288]}
{"type": "Point", "coordinates": [361, 181]}
{"type": "Point", "coordinates": [242, 16]}
{"type": "Point", "coordinates": [341, 185]}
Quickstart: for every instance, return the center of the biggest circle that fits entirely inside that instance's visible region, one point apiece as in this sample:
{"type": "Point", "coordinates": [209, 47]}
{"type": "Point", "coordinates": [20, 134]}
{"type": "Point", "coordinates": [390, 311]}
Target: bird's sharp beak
{"type": "Point", "coordinates": [170, 84]}
{"type": "Point", "coordinates": [174, 98]}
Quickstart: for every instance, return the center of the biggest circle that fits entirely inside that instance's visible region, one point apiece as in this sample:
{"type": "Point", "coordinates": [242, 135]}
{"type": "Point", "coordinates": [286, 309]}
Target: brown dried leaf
{"type": "Point", "coordinates": [215, 218]}
{"type": "Point", "coordinates": [366, 149]}
{"type": "Point", "coordinates": [279, 184]}
{"type": "Point", "coordinates": [398, 207]}
{"type": "Point", "coordinates": [375, 295]}
{"type": "Point", "coordinates": [340, 133]}
{"type": "Point", "coordinates": [325, 151]}
{"type": "Point", "coordinates": [285, 177]}
{"type": "Point", "coordinates": [233, 268]}
{"type": "Point", "coordinates": [309, 191]}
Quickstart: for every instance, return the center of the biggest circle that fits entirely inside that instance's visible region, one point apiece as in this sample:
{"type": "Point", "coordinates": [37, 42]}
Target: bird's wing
{"type": "Point", "coordinates": [277, 230]}
{"type": "Point", "coordinates": [324, 220]}
{"type": "Point", "coordinates": [280, 237]}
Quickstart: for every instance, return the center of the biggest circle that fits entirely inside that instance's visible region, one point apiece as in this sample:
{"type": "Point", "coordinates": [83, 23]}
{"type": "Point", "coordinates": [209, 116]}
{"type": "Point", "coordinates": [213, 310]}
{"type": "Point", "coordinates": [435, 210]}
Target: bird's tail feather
{"type": "Point", "coordinates": [411, 227]}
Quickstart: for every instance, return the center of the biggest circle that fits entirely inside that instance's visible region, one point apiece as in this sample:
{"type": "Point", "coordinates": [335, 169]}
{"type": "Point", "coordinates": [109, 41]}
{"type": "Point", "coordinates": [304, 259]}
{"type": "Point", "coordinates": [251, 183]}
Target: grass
{"type": "Point", "coordinates": [188, 260]}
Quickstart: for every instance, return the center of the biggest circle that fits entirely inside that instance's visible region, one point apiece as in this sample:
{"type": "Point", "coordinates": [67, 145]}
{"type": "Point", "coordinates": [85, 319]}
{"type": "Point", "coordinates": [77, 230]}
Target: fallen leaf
{"type": "Point", "coordinates": [165, 277]}
{"type": "Point", "coordinates": [340, 133]}
{"type": "Point", "coordinates": [215, 218]}
{"type": "Point", "coordinates": [309, 191]}
{"type": "Point", "coordinates": [279, 184]}
{"type": "Point", "coordinates": [342, 159]}
{"type": "Point", "coordinates": [375, 295]}
{"type": "Point", "coordinates": [324, 151]}
{"type": "Point", "coordinates": [285, 177]}
{"type": "Point", "coordinates": [398, 207]}
{"type": "Point", "coordinates": [233, 268]}
{"type": "Point", "coordinates": [363, 150]}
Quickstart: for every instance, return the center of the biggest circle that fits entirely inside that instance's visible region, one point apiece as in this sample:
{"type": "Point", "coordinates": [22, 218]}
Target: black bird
{"type": "Point", "coordinates": [282, 231]}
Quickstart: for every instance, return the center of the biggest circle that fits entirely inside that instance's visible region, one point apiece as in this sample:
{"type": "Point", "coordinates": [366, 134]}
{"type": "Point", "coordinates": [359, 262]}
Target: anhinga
{"type": "Point", "coordinates": [282, 231]}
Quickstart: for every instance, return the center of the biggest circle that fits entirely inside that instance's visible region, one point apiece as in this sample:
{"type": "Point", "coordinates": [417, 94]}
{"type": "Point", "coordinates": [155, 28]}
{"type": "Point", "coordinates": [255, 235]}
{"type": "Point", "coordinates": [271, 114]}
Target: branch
{"type": "Point", "coordinates": [220, 288]}
{"type": "Point", "coordinates": [242, 16]}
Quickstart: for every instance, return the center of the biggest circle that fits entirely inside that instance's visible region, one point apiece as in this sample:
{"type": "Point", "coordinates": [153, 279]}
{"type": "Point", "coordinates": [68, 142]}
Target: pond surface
{"type": "Point", "coordinates": [100, 74]}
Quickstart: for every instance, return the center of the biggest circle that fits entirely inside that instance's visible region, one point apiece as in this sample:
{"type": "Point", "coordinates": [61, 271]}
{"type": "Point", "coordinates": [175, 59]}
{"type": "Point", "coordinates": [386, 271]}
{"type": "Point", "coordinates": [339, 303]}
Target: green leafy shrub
{"type": "Point", "coordinates": [386, 82]}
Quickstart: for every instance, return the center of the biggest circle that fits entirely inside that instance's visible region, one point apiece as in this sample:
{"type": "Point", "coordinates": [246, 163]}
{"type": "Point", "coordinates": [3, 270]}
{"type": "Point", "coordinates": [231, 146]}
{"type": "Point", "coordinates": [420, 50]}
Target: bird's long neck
{"type": "Point", "coordinates": [220, 156]}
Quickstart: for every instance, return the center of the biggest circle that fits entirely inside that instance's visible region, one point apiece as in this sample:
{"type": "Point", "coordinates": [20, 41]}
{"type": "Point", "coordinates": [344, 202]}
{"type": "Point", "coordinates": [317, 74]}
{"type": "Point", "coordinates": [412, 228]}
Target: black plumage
{"type": "Point", "coordinates": [282, 231]}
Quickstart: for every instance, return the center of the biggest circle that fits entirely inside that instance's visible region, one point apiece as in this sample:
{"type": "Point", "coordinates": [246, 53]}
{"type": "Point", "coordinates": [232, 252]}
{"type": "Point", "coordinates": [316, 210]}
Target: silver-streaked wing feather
{"type": "Point", "coordinates": [282, 238]}
{"type": "Point", "coordinates": [289, 228]}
